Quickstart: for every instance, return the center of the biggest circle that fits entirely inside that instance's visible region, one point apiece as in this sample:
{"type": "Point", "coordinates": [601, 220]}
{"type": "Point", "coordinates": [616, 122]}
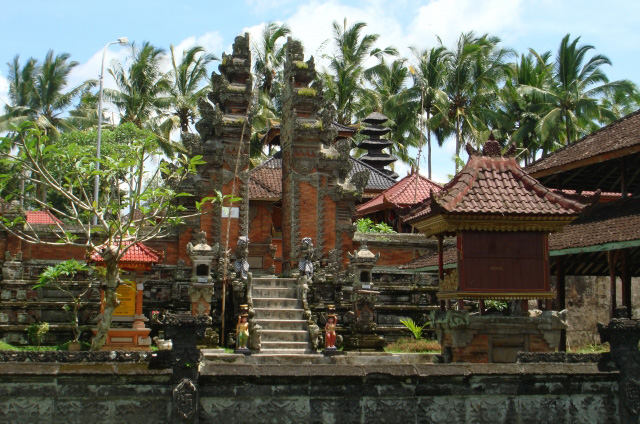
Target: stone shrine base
{"type": "Point", "coordinates": [497, 339]}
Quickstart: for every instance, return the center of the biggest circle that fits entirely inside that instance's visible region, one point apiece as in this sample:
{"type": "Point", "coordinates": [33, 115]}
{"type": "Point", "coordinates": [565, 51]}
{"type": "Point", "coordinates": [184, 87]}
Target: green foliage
{"type": "Point", "coordinates": [37, 331]}
{"type": "Point", "coordinates": [498, 305]}
{"type": "Point", "coordinates": [125, 179]}
{"type": "Point", "coordinates": [366, 225]}
{"type": "Point", "coordinates": [415, 329]}
{"type": "Point", "coordinates": [61, 276]}
{"type": "Point", "coordinates": [413, 346]}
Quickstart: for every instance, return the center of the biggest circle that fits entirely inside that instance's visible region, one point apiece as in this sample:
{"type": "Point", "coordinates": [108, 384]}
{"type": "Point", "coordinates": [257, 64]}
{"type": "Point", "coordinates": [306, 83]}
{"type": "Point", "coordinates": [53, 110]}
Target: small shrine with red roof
{"type": "Point", "coordinates": [501, 219]}
{"type": "Point", "coordinates": [389, 205]}
{"type": "Point", "coordinates": [136, 261]}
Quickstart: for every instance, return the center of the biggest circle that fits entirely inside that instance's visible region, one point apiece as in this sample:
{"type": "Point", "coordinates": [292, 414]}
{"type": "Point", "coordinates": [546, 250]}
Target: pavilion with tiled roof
{"type": "Point", "coordinates": [388, 205]}
{"type": "Point", "coordinates": [607, 159]}
{"type": "Point", "coordinates": [498, 213]}
{"type": "Point", "coordinates": [501, 219]}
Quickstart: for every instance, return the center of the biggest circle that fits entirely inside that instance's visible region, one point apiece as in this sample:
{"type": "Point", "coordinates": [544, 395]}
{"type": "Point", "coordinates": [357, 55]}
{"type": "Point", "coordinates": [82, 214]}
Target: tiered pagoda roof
{"type": "Point", "coordinates": [409, 191]}
{"type": "Point", "coordinates": [492, 193]}
{"type": "Point", "coordinates": [374, 144]}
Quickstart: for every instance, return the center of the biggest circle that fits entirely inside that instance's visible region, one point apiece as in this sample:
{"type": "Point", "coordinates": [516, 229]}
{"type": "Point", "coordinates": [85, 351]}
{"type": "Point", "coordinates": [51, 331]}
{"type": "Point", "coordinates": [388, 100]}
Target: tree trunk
{"type": "Point", "coordinates": [428, 146]}
{"type": "Point", "coordinates": [110, 303]}
{"type": "Point", "coordinates": [458, 138]}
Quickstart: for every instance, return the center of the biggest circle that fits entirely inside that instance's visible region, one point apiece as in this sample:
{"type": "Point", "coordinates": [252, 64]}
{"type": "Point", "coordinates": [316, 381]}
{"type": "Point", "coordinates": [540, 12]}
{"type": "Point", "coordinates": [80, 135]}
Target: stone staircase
{"type": "Point", "coordinates": [279, 312]}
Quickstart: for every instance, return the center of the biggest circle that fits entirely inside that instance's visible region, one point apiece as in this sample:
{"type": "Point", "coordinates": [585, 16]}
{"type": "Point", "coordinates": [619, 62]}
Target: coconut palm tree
{"type": "Point", "coordinates": [578, 83]}
{"type": "Point", "coordinates": [345, 84]}
{"type": "Point", "coordinates": [474, 71]}
{"type": "Point", "coordinates": [269, 55]}
{"type": "Point", "coordinates": [186, 80]}
{"type": "Point", "coordinates": [519, 112]}
{"type": "Point", "coordinates": [142, 87]}
{"type": "Point", "coordinates": [429, 77]}
{"type": "Point", "coordinates": [390, 96]}
{"type": "Point", "coordinates": [38, 92]}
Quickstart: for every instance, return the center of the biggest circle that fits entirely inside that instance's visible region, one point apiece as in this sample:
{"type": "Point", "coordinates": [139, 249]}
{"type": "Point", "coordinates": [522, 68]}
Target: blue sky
{"type": "Point", "coordinates": [82, 28]}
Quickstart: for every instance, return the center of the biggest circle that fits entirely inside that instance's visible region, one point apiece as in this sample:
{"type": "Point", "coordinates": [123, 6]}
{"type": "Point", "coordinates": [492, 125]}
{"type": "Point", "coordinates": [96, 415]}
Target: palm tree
{"type": "Point", "coordinates": [474, 70]}
{"type": "Point", "coordinates": [37, 92]}
{"type": "Point", "coordinates": [429, 76]}
{"type": "Point", "coordinates": [390, 96]}
{"type": "Point", "coordinates": [269, 55]}
{"type": "Point", "coordinates": [142, 87]}
{"type": "Point", "coordinates": [620, 102]}
{"type": "Point", "coordinates": [186, 80]}
{"type": "Point", "coordinates": [519, 111]}
{"type": "Point", "coordinates": [345, 86]}
{"type": "Point", "coordinates": [572, 97]}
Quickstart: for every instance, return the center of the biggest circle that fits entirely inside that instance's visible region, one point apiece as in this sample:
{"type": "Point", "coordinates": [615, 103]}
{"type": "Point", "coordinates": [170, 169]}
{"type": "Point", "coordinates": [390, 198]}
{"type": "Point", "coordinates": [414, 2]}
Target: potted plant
{"type": "Point", "coordinates": [63, 277]}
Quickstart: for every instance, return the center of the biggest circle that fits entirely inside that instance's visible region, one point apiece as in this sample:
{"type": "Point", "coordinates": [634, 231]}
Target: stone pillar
{"type": "Point", "coordinates": [623, 335]}
{"type": "Point", "coordinates": [201, 290]}
{"type": "Point", "coordinates": [225, 131]}
{"type": "Point", "coordinates": [318, 195]}
{"type": "Point", "coordinates": [184, 331]}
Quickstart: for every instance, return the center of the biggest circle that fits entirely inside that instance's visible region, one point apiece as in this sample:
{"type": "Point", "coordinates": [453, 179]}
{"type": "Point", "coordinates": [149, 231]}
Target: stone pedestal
{"type": "Point", "coordinates": [136, 337]}
{"type": "Point", "coordinates": [185, 331]}
{"type": "Point", "coordinates": [623, 335]}
{"type": "Point", "coordinates": [200, 294]}
{"type": "Point", "coordinates": [495, 339]}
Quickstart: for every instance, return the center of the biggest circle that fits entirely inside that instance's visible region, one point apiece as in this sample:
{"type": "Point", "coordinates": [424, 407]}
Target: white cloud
{"type": "Point", "coordinates": [448, 18]}
{"type": "Point", "coordinates": [4, 92]}
{"type": "Point", "coordinates": [212, 42]}
{"type": "Point", "coordinates": [262, 6]}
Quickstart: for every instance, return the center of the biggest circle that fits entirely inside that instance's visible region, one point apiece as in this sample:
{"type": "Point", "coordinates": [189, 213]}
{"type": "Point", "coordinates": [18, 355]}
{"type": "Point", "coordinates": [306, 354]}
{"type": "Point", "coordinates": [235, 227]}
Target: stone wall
{"type": "Point", "coordinates": [588, 300]}
{"type": "Point", "coordinates": [131, 392]}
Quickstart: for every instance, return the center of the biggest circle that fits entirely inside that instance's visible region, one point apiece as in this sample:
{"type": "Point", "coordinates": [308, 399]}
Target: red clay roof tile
{"type": "Point", "coordinates": [409, 191]}
{"type": "Point", "coordinates": [41, 218]}
{"type": "Point", "coordinates": [138, 253]}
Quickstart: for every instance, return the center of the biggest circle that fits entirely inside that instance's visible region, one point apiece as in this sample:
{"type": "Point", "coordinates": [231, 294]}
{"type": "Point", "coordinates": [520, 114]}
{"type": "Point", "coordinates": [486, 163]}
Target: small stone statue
{"type": "Point", "coordinates": [330, 332]}
{"type": "Point", "coordinates": [241, 266]}
{"type": "Point", "coordinates": [306, 253]}
{"type": "Point", "coordinates": [242, 333]}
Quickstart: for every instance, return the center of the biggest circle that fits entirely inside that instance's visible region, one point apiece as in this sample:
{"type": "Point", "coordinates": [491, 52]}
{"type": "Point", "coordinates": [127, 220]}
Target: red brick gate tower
{"type": "Point", "coordinates": [317, 199]}
{"type": "Point", "coordinates": [225, 131]}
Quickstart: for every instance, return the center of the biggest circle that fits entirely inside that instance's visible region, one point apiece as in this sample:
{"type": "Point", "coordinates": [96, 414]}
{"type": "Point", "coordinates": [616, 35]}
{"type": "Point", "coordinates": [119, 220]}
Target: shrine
{"type": "Point", "coordinates": [135, 263]}
{"type": "Point", "coordinates": [501, 219]}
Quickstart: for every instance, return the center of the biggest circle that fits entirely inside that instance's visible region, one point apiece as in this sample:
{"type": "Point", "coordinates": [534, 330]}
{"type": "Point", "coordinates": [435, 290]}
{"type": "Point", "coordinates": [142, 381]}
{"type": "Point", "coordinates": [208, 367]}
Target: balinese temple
{"type": "Point", "coordinates": [128, 330]}
{"type": "Point", "coordinates": [375, 144]}
{"type": "Point", "coordinates": [501, 219]}
{"type": "Point", "coordinates": [389, 205]}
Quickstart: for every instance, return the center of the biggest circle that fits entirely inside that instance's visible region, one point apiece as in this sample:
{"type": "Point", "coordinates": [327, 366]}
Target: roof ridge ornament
{"type": "Point", "coordinates": [491, 147]}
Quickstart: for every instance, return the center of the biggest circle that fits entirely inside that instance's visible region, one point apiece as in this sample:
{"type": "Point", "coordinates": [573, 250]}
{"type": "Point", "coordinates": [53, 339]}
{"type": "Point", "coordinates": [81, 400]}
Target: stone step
{"type": "Point", "coordinates": [285, 336]}
{"type": "Point", "coordinates": [265, 356]}
{"type": "Point", "coordinates": [282, 324]}
{"type": "Point", "coordinates": [267, 346]}
{"type": "Point", "coordinates": [273, 282]}
{"type": "Point", "coordinates": [275, 303]}
{"type": "Point", "coordinates": [286, 314]}
{"type": "Point", "coordinates": [273, 292]}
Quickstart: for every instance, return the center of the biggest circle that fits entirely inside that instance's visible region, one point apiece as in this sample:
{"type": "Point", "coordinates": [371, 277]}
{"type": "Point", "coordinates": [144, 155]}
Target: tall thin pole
{"type": "Point", "coordinates": [96, 183]}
